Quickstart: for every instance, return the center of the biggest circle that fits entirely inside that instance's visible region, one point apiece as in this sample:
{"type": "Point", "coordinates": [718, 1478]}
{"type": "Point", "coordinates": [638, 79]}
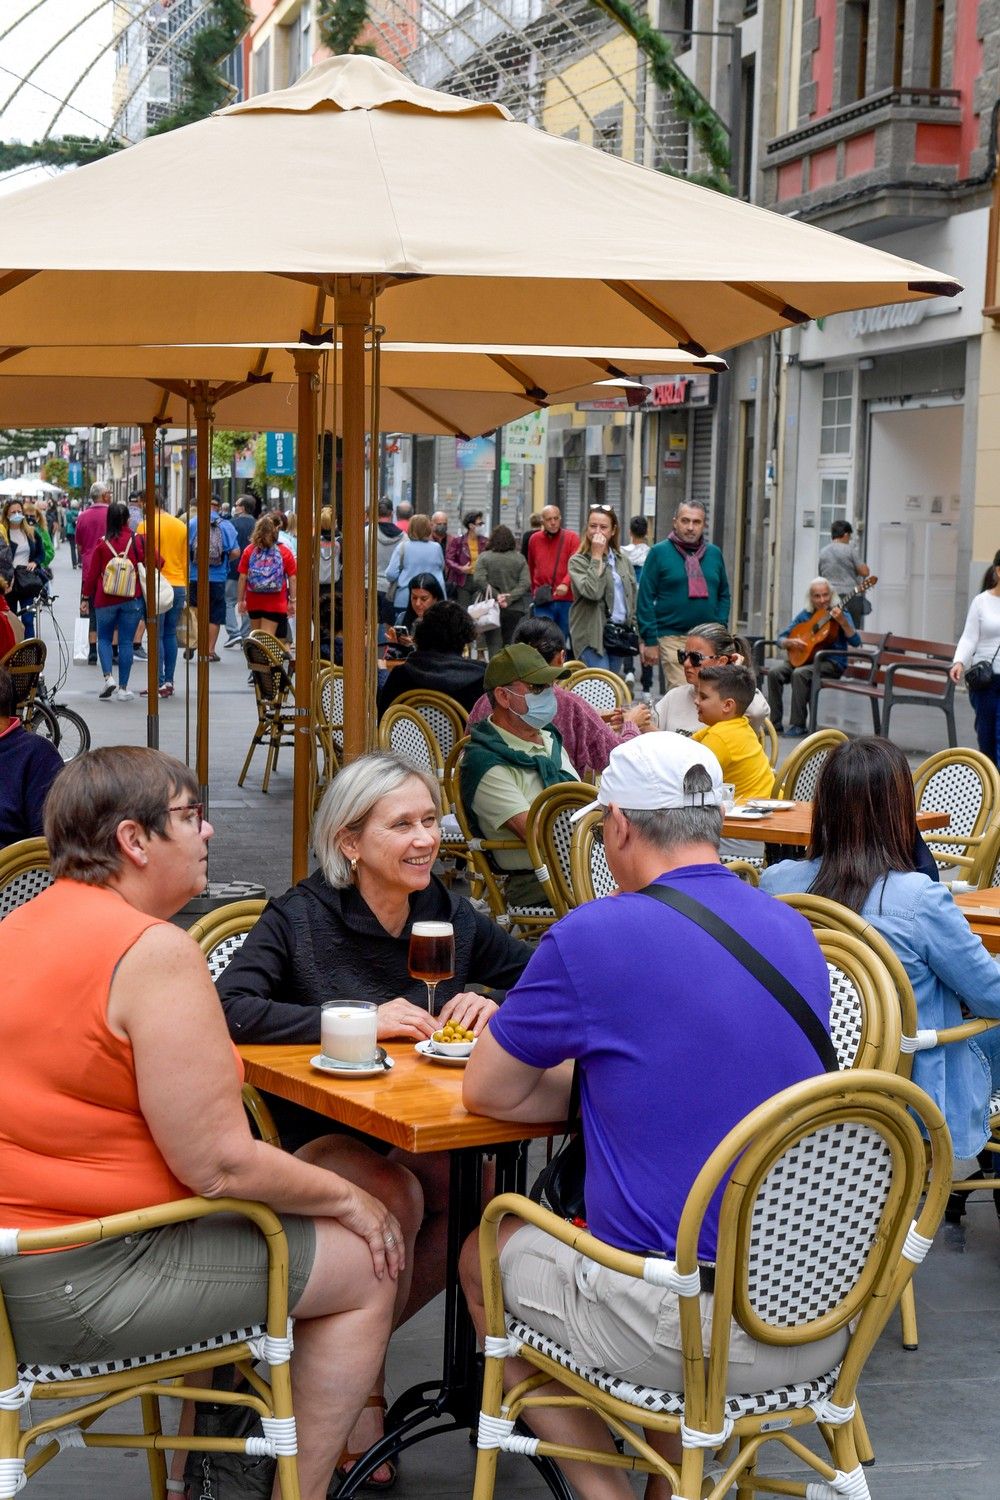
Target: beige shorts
{"type": "Point", "coordinates": [632, 1329]}
{"type": "Point", "coordinates": [148, 1293]}
{"type": "Point", "coordinates": [673, 672]}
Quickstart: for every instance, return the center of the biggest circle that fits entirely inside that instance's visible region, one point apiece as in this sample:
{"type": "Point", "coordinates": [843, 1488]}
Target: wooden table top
{"type": "Point", "coordinates": [793, 825]}
{"type": "Point", "coordinates": [417, 1105]}
{"type": "Point", "coordinates": [982, 911]}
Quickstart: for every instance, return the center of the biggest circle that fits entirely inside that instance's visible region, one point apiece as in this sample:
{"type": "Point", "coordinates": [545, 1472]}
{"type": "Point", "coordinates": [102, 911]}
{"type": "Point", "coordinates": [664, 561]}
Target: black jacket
{"type": "Point", "coordinates": [316, 943]}
{"type": "Point", "coordinates": [460, 677]}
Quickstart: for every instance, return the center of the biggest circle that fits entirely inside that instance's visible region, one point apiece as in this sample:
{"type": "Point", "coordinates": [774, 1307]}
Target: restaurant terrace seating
{"type": "Point", "coordinates": [842, 1157]}
{"type": "Point", "coordinates": [795, 780]}
{"type": "Point", "coordinates": [550, 837]}
{"type": "Point", "coordinates": [24, 873]}
{"type": "Point", "coordinates": [966, 784]}
{"type": "Point", "coordinates": [603, 690]}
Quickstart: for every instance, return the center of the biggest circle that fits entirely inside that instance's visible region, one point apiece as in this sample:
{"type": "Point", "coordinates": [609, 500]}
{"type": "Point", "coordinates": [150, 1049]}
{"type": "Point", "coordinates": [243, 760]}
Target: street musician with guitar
{"type": "Point", "coordinates": [822, 626]}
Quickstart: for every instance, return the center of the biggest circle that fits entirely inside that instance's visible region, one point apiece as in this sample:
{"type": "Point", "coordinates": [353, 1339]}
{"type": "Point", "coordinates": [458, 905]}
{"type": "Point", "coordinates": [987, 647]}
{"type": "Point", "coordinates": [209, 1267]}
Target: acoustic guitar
{"type": "Point", "coordinates": [818, 632]}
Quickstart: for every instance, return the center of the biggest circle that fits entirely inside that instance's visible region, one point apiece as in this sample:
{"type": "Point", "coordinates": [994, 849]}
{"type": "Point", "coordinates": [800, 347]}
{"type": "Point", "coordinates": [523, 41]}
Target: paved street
{"type": "Point", "coordinates": [920, 1407]}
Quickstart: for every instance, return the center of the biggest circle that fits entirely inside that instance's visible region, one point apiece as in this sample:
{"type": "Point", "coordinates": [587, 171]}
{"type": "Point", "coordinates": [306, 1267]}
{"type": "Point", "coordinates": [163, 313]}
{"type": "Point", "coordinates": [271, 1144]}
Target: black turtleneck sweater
{"type": "Point", "coordinates": [316, 943]}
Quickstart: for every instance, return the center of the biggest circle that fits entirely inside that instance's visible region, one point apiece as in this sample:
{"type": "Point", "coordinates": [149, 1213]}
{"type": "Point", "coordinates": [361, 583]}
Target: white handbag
{"type": "Point", "coordinates": [164, 592]}
{"type": "Point", "coordinates": [485, 612]}
{"type": "Point", "coordinates": [81, 640]}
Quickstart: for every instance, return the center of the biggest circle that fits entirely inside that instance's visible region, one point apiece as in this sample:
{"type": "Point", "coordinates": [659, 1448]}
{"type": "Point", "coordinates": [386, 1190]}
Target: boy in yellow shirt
{"type": "Point", "coordinates": [722, 697]}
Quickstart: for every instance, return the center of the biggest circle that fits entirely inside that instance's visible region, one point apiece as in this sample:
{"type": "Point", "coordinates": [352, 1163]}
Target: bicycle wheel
{"type": "Point", "coordinates": [74, 732]}
{"type": "Point", "coordinates": [40, 719]}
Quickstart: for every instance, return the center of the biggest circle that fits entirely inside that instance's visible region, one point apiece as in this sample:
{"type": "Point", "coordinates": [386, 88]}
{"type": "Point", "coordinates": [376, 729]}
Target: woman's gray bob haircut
{"type": "Point", "coordinates": [348, 802]}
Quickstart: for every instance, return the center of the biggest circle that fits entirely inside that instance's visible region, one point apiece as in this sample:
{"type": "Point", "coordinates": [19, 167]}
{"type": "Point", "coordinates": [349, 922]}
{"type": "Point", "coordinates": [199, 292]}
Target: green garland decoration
{"type": "Point", "coordinates": [689, 102]}
{"type": "Point", "coordinates": [341, 22]}
{"type": "Point", "coordinates": [204, 91]}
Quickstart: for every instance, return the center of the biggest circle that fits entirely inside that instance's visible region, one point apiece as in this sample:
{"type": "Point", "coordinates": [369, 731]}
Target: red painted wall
{"type": "Point", "coordinates": [790, 180]}
{"type": "Point", "coordinates": [822, 58]}
{"type": "Point", "coordinates": [823, 168]}
{"type": "Point", "coordinates": [939, 146]}
{"type": "Point", "coordinates": [968, 66]}
{"type": "Point", "coordinates": [859, 154]}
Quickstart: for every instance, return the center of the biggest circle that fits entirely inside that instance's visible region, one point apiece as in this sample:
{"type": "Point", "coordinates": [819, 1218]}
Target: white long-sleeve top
{"type": "Point", "coordinates": [981, 637]}
{"type": "Point", "coordinates": [676, 710]}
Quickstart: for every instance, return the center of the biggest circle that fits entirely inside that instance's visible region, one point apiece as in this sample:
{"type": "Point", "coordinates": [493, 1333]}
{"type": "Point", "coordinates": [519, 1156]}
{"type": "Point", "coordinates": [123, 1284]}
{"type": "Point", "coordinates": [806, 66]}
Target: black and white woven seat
{"type": "Point", "coordinates": [405, 732]}
{"type": "Point", "coordinates": [602, 690]}
{"type": "Point", "coordinates": [966, 785]}
{"type": "Point", "coordinates": [52, 1374]}
{"type": "Point", "coordinates": [21, 888]}
{"type": "Point", "coordinates": [797, 778]}
{"type": "Point", "coordinates": [650, 1398]}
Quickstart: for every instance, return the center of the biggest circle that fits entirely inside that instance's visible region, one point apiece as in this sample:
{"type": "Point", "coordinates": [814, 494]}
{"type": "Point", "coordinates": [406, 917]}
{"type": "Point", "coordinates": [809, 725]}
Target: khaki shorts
{"type": "Point", "coordinates": [673, 672]}
{"type": "Point", "coordinates": [632, 1329]}
{"type": "Point", "coordinates": [148, 1293]}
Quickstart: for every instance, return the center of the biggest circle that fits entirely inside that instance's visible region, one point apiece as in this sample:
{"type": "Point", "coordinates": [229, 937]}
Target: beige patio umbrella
{"type": "Point", "coordinates": [389, 219]}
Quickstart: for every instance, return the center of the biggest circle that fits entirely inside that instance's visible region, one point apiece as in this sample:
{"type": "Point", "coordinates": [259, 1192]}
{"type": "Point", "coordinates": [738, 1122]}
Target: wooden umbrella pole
{"type": "Point", "coordinates": [307, 373]}
{"type": "Point", "coordinates": [152, 619]}
{"type": "Point", "coordinates": [203, 415]}
{"type": "Point", "coordinates": [353, 315]}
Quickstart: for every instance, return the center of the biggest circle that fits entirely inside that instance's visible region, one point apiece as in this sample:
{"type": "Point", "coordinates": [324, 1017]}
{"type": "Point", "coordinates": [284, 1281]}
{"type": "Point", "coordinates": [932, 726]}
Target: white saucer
{"type": "Point", "coordinates": [324, 1065]}
{"type": "Point", "coordinates": [747, 813]}
{"type": "Point", "coordinates": [433, 1055]}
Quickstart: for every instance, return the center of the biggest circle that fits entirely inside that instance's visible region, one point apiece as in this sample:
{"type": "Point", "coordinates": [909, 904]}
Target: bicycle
{"type": "Point", "coordinates": [68, 730]}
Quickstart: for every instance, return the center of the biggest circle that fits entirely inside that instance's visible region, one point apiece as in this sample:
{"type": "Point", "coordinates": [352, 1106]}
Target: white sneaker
{"type": "Point", "coordinates": [630, 678]}
{"type": "Point", "coordinates": [123, 695]}
{"type": "Point", "coordinates": [108, 690]}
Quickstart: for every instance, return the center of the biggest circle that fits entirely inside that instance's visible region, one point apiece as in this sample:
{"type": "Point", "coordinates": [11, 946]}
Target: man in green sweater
{"type": "Point", "coordinates": [683, 585]}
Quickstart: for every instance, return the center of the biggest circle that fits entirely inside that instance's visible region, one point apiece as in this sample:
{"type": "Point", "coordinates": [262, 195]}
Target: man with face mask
{"type": "Point", "coordinates": [511, 757]}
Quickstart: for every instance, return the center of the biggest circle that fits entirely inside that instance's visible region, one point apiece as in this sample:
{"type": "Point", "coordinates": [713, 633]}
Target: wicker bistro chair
{"type": "Point", "coordinates": [744, 869]}
{"type": "Point", "coordinates": [272, 688]}
{"type": "Point", "coordinates": [550, 838]}
{"type": "Point", "coordinates": [529, 919]}
{"type": "Point", "coordinates": [796, 780]}
{"type": "Point", "coordinates": [445, 718]}
{"type": "Point", "coordinates": [864, 1013]}
{"type": "Point", "coordinates": [768, 736]}
{"type": "Point", "coordinates": [329, 727]}
{"type": "Point", "coordinates": [589, 871]}
{"type": "Point", "coordinates": [406, 732]}
{"type": "Point", "coordinates": [841, 1160]}
{"type": "Point", "coordinates": [24, 873]}
{"type": "Point", "coordinates": [25, 662]}
{"type": "Point", "coordinates": [93, 1389]}
{"type": "Point", "coordinates": [603, 690]}
{"type": "Point", "coordinates": [966, 784]}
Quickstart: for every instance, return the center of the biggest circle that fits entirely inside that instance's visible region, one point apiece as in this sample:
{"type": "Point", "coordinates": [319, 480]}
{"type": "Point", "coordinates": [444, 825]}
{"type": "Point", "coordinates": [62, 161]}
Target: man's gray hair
{"type": "Point", "coordinates": [666, 828]}
{"type": "Point", "coordinates": [348, 803]}
{"type": "Point", "coordinates": [97, 490]}
{"type": "Point", "coordinates": [691, 505]}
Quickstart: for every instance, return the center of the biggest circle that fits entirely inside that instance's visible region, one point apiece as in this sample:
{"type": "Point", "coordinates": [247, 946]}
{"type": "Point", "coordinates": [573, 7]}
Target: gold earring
{"type": "Point", "coordinates": [354, 869]}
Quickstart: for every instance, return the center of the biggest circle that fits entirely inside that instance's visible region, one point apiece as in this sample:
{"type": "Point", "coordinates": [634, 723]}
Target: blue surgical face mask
{"type": "Point", "coordinates": [540, 708]}
{"type": "Point", "coordinates": [15, 518]}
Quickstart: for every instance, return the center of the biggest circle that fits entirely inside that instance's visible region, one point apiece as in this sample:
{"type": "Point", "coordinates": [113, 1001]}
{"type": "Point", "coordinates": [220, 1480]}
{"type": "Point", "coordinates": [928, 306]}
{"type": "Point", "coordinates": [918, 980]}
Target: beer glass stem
{"type": "Point", "coordinates": [432, 985]}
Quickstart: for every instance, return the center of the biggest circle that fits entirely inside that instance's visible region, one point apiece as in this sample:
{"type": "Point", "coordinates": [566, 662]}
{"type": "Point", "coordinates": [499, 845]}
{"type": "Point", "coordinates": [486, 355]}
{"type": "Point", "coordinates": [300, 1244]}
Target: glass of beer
{"type": "Point", "coordinates": [432, 955]}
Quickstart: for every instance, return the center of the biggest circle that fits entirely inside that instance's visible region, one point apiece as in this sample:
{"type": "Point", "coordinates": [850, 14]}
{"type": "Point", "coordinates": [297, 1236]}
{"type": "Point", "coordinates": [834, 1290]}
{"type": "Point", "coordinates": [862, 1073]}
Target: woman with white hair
{"type": "Point", "coordinates": [345, 931]}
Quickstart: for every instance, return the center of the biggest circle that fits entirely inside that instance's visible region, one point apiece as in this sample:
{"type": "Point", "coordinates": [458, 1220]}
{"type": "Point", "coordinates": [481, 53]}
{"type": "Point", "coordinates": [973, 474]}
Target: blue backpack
{"type": "Point", "coordinates": [266, 571]}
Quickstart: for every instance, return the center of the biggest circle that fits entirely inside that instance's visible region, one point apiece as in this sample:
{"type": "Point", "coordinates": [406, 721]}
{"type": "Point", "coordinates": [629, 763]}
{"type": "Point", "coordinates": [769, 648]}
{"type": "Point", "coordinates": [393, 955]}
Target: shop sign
{"type": "Point", "coordinates": [75, 476]}
{"type": "Point", "coordinates": [672, 463]}
{"type": "Point", "coordinates": [526, 439]}
{"type": "Point", "coordinates": [678, 441]}
{"type": "Point", "coordinates": [280, 453]}
{"type": "Point", "coordinates": [479, 454]}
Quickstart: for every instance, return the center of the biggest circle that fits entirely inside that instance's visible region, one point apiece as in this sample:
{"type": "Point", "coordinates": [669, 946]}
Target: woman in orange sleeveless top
{"type": "Point", "coordinates": [123, 1090]}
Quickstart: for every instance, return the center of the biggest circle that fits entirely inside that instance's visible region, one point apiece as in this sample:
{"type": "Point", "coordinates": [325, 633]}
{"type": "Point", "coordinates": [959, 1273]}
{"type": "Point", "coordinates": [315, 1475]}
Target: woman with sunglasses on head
{"type": "Point", "coordinates": [604, 595]}
{"type": "Point", "coordinates": [710, 645]}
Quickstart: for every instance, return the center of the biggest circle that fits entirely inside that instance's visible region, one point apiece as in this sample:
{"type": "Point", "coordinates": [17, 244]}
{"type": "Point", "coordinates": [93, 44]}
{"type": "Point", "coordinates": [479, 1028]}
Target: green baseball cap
{"type": "Point", "coordinates": [520, 663]}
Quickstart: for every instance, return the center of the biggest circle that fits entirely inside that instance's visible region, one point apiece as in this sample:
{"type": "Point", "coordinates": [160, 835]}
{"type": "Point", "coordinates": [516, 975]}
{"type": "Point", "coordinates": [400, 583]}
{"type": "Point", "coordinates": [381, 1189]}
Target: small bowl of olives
{"type": "Point", "coordinates": [453, 1040]}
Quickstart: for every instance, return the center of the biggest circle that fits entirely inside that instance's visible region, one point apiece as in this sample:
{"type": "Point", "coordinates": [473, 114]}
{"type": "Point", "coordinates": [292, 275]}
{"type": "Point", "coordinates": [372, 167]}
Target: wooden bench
{"type": "Point", "coordinates": [893, 671]}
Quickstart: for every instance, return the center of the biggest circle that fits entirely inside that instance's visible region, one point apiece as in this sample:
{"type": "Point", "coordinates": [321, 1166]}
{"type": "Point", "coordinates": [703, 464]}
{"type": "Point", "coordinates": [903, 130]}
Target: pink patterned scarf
{"type": "Point", "coordinates": [692, 555]}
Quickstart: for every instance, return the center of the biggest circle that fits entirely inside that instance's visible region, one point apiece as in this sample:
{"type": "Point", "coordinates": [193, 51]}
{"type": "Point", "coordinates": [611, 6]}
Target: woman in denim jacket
{"type": "Point", "coordinates": [863, 837]}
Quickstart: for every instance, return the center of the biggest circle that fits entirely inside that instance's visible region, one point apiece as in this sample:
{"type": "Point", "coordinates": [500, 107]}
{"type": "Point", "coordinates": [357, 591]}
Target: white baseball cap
{"type": "Point", "coordinates": [647, 773]}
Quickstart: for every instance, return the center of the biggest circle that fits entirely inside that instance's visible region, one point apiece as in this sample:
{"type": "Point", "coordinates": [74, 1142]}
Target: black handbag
{"type": "Point", "coordinates": [620, 639]}
{"type": "Point", "coordinates": [980, 674]}
{"type": "Point", "coordinates": [28, 583]}
{"type": "Point", "coordinates": [560, 1184]}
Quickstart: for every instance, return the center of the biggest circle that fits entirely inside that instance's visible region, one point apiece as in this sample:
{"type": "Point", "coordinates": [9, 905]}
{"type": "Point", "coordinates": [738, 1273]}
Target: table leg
{"type": "Point", "coordinates": [456, 1394]}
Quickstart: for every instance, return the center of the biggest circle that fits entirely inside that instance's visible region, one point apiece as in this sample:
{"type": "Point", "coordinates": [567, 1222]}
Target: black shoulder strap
{"type": "Point", "coordinates": [764, 972]}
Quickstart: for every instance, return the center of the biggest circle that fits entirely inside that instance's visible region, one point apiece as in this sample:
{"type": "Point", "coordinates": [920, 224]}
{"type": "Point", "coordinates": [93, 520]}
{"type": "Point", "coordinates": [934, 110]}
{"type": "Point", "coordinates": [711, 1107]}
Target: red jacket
{"type": "Point", "coordinates": [549, 555]}
{"type": "Point", "coordinates": [99, 559]}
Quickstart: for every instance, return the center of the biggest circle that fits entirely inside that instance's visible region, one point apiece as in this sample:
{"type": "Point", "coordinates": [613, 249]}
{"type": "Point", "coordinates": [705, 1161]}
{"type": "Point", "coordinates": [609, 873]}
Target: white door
{"type": "Point", "coordinates": [914, 470]}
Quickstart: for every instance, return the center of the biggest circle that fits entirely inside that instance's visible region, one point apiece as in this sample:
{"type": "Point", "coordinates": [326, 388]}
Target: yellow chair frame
{"type": "Point", "coordinates": [552, 804]}
{"type": "Point", "coordinates": [879, 1103]}
{"type": "Point", "coordinates": [403, 717]}
{"type": "Point", "coordinates": [158, 1376]}
{"type": "Point", "coordinates": [18, 864]}
{"type": "Point", "coordinates": [787, 776]}
{"type": "Point", "coordinates": [598, 674]}
{"type": "Point", "coordinates": [744, 870]}
{"type": "Point", "coordinates": [963, 851]}
{"type": "Point", "coordinates": [581, 855]}
{"type": "Point", "coordinates": [768, 736]}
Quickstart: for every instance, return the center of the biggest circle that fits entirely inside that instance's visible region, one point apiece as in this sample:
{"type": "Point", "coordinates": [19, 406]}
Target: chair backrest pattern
{"type": "Point", "coordinates": [958, 788]}
{"type": "Point", "coordinates": [846, 1015]}
{"type": "Point", "coordinates": [405, 732]}
{"type": "Point", "coordinates": [814, 1220]}
{"type": "Point", "coordinates": [221, 956]}
{"type": "Point", "coordinates": [598, 688]}
{"type": "Point", "coordinates": [23, 887]}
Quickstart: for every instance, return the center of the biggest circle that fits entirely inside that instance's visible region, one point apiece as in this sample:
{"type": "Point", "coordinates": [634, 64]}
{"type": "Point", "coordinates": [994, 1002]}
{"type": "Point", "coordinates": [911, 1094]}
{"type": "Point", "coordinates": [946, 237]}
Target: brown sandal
{"type": "Point", "coordinates": [348, 1459]}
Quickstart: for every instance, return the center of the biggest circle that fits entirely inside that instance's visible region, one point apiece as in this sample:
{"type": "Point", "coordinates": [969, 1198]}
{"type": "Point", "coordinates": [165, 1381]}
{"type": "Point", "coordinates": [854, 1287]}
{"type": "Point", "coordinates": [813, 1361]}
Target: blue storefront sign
{"type": "Point", "coordinates": [281, 452]}
{"type": "Point", "coordinates": [75, 477]}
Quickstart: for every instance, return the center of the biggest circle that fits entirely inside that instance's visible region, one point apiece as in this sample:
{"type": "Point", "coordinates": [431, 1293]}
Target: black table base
{"type": "Point", "coordinates": [451, 1404]}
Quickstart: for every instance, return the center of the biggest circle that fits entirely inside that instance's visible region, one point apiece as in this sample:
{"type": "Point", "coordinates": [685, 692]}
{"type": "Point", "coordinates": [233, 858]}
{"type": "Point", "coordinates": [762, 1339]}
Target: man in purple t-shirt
{"type": "Point", "coordinates": [90, 527]}
{"type": "Point", "coordinates": [675, 1042]}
